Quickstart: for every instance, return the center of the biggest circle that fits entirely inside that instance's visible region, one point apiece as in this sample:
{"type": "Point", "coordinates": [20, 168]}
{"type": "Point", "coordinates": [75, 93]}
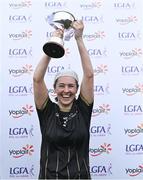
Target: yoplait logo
{"type": "Point", "coordinates": [138, 88]}
{"type": "Point", "coordinates": [102, 109]}
{"type": "Point", "coordinates": [127, 20]}
{"type": "Point", "coordinates": [27, 34]}
{"type": "Point", "coordinates": [27, 150]}
{"type": "Point", "coordinates": [94, 4]}
{"type": "Point", "coordinates": [136, 52]}
{"type": "Point", "coordinates": [25, 110]}
{"type": "Point", "coordinates": [134, 171]}
{"type": "Point", "coordinates": [104, 148]}
{"type": "Point", "coordinates": [101, 69]}
{"type": "Point", "coordinates": [22, 4]}
{"type": "Point", "coordinates": [134, 131]}
{"type": "Point", "coordinates": [94, 36]}
{"type": "Point", "coordinates": [27, 69]}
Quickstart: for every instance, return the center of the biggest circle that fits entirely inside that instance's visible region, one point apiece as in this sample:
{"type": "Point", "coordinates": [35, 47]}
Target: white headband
{"type": "Point", "coordinates": [67, 73]}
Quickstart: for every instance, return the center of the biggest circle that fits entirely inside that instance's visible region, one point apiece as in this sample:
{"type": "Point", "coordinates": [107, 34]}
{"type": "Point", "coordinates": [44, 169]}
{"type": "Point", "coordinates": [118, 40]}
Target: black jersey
{"type": "Point", "coordinates": [65, 141]}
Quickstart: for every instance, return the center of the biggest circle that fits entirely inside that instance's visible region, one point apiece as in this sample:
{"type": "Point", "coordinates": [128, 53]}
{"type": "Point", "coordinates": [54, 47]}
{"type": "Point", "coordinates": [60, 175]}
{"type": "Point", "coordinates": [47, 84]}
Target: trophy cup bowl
{"type": "Point", "coordinates": [55, 46]}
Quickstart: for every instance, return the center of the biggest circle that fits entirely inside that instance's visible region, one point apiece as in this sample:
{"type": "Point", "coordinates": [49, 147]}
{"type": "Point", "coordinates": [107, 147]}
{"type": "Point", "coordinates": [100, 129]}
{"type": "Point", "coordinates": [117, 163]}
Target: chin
{"type": "Point", "coordinates": [66, 103]}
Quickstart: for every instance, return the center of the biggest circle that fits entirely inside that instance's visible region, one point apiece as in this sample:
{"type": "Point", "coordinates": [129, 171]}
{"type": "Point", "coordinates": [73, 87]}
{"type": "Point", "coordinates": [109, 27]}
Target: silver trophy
{"type": "Point", "coordinates": [59, 20]}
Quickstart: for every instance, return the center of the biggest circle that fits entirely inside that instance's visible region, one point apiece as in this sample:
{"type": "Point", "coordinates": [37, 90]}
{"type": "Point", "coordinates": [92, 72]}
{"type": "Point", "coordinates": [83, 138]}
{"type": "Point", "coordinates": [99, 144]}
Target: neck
{"type": "Point", "coordinates": [65, 108]}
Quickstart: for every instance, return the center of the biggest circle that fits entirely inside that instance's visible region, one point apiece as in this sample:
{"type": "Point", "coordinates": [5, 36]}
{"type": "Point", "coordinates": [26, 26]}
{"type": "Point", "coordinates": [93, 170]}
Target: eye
{"type": "Point", "coordinates": [61, 85]}
{"type": "Point", "coordinates": [71, 85]}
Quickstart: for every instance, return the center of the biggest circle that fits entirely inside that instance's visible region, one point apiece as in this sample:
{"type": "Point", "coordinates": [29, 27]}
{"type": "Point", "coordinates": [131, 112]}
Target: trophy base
{"type": "Point", "coordinates": [53, 50]}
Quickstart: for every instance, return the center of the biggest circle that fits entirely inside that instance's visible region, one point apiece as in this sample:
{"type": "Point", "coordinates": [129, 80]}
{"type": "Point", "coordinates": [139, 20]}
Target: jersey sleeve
{"type": "Point", "coordinates": [45, 113]}
{"type": "Point", "coordinates": [85, 109]}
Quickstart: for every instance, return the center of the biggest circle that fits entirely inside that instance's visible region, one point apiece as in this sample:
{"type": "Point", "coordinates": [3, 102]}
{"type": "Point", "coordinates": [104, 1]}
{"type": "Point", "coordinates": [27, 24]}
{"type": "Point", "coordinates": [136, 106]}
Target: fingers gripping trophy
{"type": "Point", "coordinates": [61, 21]}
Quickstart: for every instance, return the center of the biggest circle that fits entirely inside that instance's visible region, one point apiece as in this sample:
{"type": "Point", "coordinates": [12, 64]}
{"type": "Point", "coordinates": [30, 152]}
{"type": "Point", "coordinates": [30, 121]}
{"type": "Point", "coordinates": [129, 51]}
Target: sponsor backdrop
{"type": "Point", "coordinates": [114, 39]}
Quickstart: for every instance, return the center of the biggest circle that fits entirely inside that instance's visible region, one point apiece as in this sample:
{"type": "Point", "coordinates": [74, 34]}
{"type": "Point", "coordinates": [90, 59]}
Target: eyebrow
{"type": "Point", "coordinates": [67, 83]}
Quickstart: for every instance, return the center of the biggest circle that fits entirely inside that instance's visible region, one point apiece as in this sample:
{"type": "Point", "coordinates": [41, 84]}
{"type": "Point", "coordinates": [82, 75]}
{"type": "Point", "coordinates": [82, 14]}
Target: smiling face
{"type": "Point", "coordinates": [66, 89]}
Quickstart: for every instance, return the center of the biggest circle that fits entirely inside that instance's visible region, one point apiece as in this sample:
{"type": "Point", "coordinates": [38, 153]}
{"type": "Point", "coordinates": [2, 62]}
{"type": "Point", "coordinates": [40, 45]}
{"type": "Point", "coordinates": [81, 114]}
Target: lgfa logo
{"type": "Point", "coordinates": [52, 70]}
{"type": "Point", "coordinates": [131, 70]}
{"type": "Point", "coordinates": [20, 90]}
{"type": "Point", "coordinates": [133, 109]}
{"type": "Point", "coordinates": [20, 52]}
{"type": "Point", "coordinates": [129, 35]}
{"type": "Point", "coordinates": [21, 132]}
{"type": "Point", "coordinates": [101, 170]}
{"type": "Point", "coordinates": [100, 130]}
{"type": "Point", "coordinates": [133, 149]}
{"type": "Point", "coordinates": [92, 19]}
{"type": "Point", "coordinates": [54, 4]}
{"type": "Point", "coordinates": [101, 90]}
{"type": "Point", "coordinates": [97, 53]}
{"type": "Point", "coordinates": [20, 19]}
{"type": "Point", "coordinates": [21, 171]}
{"type": "Point", "coordinates": [122, 5]}
{"type": "Point", "coordinates": [27, 150]}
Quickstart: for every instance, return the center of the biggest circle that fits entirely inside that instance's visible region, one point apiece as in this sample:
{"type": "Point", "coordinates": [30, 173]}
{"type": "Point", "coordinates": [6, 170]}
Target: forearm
{"type": "Point", "coordinates": [41, 68]}
{"type": "Point", "coordinates": [85, 59]}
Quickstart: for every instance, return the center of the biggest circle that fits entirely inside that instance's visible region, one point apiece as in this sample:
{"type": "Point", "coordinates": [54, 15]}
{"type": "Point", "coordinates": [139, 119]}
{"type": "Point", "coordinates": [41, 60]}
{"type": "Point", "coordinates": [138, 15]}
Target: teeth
{"type": "Point", "coordinates": [66, 96]}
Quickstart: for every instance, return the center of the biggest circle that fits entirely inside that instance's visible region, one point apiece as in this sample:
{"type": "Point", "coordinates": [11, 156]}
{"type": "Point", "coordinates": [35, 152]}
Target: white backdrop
{"type": "Point", "coordinates": [113, 36]}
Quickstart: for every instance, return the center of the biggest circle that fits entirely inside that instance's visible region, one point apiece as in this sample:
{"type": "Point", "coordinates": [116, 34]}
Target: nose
{"type": "Point", "coordinates": [66, 89]}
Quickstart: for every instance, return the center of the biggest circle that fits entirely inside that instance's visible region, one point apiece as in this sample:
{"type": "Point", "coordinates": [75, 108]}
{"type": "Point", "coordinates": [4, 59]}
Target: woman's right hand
{"type": "Point", "coordinates": [58, 33]}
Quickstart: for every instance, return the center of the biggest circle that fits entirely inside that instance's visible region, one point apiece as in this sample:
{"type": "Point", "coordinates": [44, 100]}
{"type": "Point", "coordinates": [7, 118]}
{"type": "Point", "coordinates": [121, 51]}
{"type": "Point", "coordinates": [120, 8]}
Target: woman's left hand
{"type": "Point", "coordinates": [78, 26]}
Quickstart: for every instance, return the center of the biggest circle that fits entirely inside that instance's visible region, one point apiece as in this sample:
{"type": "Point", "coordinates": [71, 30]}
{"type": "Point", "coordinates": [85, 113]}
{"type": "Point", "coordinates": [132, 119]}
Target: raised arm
{"type": "Point", "coordinates": [86, 90]}
{"type": "Point", "coordinates": [39, 85]}
{"type": "Point", "coordinates": [40, 89]}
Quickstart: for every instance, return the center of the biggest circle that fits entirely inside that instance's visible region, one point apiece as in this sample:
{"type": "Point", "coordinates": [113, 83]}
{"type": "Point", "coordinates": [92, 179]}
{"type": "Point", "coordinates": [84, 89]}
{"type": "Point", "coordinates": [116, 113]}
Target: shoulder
{"type": "Point", "coordinates": [83, 105]}
{"type": "Point", "coordinates": [47, 106]}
